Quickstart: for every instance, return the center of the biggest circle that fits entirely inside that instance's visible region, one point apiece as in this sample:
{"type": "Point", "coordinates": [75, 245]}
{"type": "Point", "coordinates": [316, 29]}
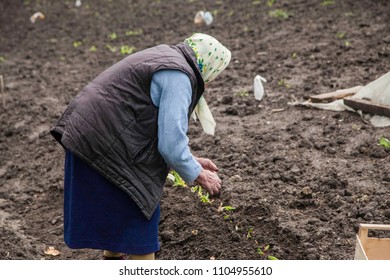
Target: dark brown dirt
{"type": "Point", "coordinates": [301, 179]}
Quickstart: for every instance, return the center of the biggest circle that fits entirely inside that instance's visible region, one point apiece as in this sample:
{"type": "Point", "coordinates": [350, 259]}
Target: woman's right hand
{"type": "Point", "coordinates": [209, 181]}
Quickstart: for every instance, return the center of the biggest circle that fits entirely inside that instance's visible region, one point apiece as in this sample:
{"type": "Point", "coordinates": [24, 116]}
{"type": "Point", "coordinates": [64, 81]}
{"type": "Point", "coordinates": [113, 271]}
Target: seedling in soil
{"type": "Point", "coordinates": [256, 2]}
{"type": "Point", "coordinates": [283, 83]}
{"type": "Point", "coordinates": [93, 49]}
{"type": "Point", "coordinates": [127, 50]}
{"type": "Point", "coordinates": [279, 13]}
{"type": "Point", "coordinates": [77, 44]}
{"type": "Point", "coordinates": [264, 253]}
{"type": "Point", "coordinates": [203, 197]}
{"type": "Point", "coordinates": [243, 93]}
{"type": "Point", "coordinates": [135, 32]}
{"type": "Point", "coordinates": [327, 3]}
{"type": "Point", "coordinates": [340, 35]}
{"type": "Point", "coordinates": [2, 59]}
{"type": "Point", "coordinates": [249, 233]}
{"type": "Point", "coordinates": [178, 182]}
{"type": "Point", "coordinates": [270, 3]}
{"type": "Point", "coordinates": [113, 36]}
{"type": "Point", "coordinates": [384, 142]}
{"type": "Point", "coordinates": [111, 48]}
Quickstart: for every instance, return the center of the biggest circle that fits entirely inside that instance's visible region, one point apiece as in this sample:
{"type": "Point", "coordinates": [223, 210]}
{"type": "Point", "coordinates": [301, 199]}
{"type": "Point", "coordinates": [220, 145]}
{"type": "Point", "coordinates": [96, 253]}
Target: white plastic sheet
{"type": "Point", "coordinates": [377, 91]}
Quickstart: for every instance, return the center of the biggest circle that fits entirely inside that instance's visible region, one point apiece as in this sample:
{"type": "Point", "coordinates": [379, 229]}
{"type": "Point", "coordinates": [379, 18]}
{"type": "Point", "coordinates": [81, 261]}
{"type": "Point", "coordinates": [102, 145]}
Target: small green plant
{"type": "Point", "coordinates": [178, 181]}
{"type": "Point", "coordinates": [249, 233]}
{"type": "Point", "coordinates": [327, 3]}
{"type": "Point", "coordinates": [2, 59]}
{"type": "Point", "coordinates": [283, 83]}
{"type": "Point", "coordinates": [92, 49]}
{"type": "Point", "coordinates": [294, 55]}
{"type": "Point", "coordinates": [264, 253]}
{"type": "Point", "coordinates": [135, 32]}
{"type": "Point", "coordinates": [204, 197]}
{"type": "Point", "coordinates": [347, 44]}
{"type": "Point", "coordinates": [279, 13]}
{"type": "Point", "coordinates": [270, 3]}
{"type": "Point", "coordinates": [384, 142]}
{"type": "Point", "coordinates": [340, 35]}
{"type": "Point", "coordinates": [111, 48]}
{"type": "Point", "coordinates": [127, 50]}
{"type": "Point", "coordinates": [243, 93]}
{"type": "Point", "coordinates": [256, 2]}
{"type": "Point", "coordinates": [77, 44]}
{"type": "Point", "coordinates": [113, 36]}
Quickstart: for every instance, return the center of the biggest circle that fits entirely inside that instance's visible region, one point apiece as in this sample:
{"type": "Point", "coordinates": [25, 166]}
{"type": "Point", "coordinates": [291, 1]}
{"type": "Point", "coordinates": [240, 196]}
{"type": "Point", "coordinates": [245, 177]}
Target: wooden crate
{"type": "Point", "coordinates": [370, 248]}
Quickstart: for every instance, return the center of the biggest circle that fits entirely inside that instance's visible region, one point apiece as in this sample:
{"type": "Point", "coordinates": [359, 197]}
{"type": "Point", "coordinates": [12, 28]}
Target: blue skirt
{"type": "Point", "coordinates": [98, 215]}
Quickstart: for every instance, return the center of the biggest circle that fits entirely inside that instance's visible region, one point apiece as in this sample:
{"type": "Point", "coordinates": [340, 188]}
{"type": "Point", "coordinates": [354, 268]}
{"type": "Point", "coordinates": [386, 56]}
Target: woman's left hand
{"type": "Point", "coordinates": [207, 164]}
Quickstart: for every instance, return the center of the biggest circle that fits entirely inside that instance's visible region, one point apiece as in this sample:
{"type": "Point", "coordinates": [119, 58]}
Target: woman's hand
{"type": "Point", "coordinates": [210, 181]}
{"type": "Point", "coordinates": [207, 164]}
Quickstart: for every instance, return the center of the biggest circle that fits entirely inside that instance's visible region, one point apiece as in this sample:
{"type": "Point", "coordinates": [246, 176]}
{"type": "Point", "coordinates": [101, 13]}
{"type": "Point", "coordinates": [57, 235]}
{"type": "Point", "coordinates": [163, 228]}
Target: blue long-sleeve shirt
{"type": "Point", "coordinates": [171, 92]}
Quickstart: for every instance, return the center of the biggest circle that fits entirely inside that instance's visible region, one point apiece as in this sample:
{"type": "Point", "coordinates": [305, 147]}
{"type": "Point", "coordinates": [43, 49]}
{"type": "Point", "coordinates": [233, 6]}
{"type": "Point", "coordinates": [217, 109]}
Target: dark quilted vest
{"type": "Point", "coordinates": [112, 124]}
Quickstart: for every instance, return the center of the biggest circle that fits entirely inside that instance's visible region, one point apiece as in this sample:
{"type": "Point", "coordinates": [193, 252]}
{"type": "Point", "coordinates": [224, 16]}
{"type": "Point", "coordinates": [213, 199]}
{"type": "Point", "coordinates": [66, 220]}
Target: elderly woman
{"type": "Point", "coordinates": [123, 133]}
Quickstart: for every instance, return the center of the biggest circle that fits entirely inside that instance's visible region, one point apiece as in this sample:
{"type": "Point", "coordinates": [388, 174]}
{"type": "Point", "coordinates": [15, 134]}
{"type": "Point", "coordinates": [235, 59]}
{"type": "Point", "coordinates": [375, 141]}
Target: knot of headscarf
{"type": "Point", "coordinates": [212, 58]}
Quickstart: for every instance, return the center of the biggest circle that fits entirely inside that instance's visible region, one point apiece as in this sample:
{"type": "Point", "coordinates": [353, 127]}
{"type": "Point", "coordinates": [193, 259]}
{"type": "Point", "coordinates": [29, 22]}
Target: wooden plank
{"type": "Point", "coordinates": [377, 248]}
{"type": "Point", "coordinates": [367, 106]}
{"type": "Point", "coordinates": [332, 96]}
{"type": "Point", "coordinates": [360, 254]}
{"type": "Point", "coordinates": [375, 226]}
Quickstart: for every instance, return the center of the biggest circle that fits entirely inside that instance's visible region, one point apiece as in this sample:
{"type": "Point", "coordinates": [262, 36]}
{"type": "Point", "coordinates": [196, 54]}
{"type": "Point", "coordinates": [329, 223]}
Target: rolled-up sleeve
{"type": "Point", "coordinates": [171, 92]}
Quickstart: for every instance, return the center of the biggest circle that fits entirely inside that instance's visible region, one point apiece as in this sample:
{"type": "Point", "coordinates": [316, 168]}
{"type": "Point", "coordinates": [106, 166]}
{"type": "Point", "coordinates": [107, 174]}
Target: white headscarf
{"type": "Point", "coordinates": [212, 58]}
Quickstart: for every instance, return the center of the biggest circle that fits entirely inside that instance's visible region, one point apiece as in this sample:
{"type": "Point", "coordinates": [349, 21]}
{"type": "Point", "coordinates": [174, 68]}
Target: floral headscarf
{"type": "Point", "coordinates": [212, 58]}
{"type": "Point", "coordinates": [211, 55]}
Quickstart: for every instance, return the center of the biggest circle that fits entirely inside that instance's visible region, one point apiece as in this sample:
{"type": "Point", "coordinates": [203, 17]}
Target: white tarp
{"type": "Point", "coordinates": [377, 92]}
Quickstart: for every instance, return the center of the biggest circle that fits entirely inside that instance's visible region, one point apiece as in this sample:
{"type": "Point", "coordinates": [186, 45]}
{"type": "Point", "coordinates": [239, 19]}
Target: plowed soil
{"type": "Point", "coordinates": [301, 180]}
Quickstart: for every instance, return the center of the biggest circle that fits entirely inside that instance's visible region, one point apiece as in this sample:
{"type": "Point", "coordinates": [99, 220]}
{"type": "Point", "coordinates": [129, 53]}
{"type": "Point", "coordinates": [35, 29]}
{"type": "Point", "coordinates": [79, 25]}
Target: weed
{"type": "Point", "coordinates": [127, 50]}
{"type": "Point", "coordinates": [384, 142]}
{"type": "Point", "coordinates": [279, 13]}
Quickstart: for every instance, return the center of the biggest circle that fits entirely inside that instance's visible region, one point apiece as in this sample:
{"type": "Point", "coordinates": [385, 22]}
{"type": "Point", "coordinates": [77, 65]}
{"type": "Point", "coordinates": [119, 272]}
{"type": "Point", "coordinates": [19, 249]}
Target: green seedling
{"type": "Point", "coordinates": [178, 181]}
{"type": "Point", "coordinates": [113, 36]}
{"type": "Point", "coordinates": [135, 32]}
{"type": "Point", "coordinates": [348, 14]}
{"type": "Point", "coordinates": [92, 49]}
{"type": "Point", "coordinates": [249, 233]}
{"type": "Point", "coordinates": [77, 44]}
{"type": "Point", "coordinates": [340, 35]}
{"type": "Point", "coordinates": [294, 55]}
{"type": "Point", "coordinates": [204, 197]}
{"type": "Point", "coordinates": [111, 48]}
{"type": "Point", "coordinates": [243, 93]}
{"type": "Point", "coordinates": [264, 253]}
{"type": "Point", "coordinates": [283, 83]}
{"type": "Point", "coordinates": [279, 13]}
{"type": "Point", "coordinates": [127, 50]}
{"type": "Point", "coordinates": [270, 3]}
{"type": "Point", "coordinates": [384, 142]}
{"type": "Point", "coordinates": [347, 44]}
{"type": "Point", "coordinates": [256, 2]}
{"type": "Point", "coordinates": [327, 3]}
{"type": "Point", "coordinates": [2, 59]}
{"type": "Point", "coordinates": [231, 13]}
